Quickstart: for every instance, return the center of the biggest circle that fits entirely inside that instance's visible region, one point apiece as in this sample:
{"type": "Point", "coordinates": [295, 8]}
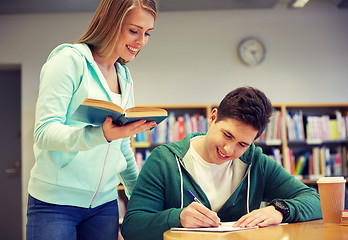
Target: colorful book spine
{"type": "Point", "coordinates": [174, 128]}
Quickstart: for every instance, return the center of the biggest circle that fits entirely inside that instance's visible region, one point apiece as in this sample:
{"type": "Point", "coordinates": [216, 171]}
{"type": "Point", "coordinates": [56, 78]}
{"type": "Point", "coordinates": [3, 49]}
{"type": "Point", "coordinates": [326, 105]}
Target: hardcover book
{"type": "Point", "coordinates": [95, 111]}
{"type": "Point", "coordinates": [344, 218]}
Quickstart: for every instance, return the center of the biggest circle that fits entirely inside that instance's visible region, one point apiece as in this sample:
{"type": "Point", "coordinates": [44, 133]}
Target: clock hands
{"type": "Point", "coordinates": [251, 51]}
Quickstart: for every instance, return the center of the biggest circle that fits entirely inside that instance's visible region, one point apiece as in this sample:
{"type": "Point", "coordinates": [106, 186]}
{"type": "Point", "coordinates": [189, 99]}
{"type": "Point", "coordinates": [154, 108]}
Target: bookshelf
{"type": "Point", "coordinates": [182, 119]}
{"type": "Point", "coordinates": [324, 141]}
{"type": "Point", "coordinates": [298, 132]}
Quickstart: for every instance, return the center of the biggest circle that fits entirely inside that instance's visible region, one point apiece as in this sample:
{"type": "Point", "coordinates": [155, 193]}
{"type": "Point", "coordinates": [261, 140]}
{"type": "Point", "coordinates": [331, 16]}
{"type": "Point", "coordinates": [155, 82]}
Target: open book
{"type": "Point", "coordinates": [95, 111]}
{"type": "Point", "coordinates": [224, 227]}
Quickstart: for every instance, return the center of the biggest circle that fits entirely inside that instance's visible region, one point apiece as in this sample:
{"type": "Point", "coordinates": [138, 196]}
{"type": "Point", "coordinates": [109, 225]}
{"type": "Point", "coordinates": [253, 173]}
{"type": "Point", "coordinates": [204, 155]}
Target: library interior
{"type": "Point", "coordinates": [197, 53]}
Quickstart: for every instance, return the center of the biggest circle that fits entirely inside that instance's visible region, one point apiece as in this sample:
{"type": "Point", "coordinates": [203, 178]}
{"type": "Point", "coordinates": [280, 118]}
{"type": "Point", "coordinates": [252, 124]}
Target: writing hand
{"type": "Point", "coordinates": [113, 132]}
{"type": "Point", "coordinates": [261, 217]}
{"type": "Point", "coordinates": [197, 215]}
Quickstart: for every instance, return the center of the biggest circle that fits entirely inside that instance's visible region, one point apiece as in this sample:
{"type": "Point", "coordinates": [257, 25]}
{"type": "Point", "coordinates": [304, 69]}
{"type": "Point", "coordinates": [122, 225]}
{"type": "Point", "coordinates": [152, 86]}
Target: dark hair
{"type": "Point", "coordinates": [248, 105]}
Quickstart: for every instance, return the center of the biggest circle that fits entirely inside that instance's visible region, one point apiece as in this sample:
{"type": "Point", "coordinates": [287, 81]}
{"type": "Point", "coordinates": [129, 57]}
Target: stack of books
{"type": "Point", "coordinates": [344, 217]}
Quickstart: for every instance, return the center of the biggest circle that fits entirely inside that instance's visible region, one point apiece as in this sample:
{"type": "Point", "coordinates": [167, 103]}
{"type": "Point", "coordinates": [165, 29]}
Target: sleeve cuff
{"type": "Point", "coordinates": [174, 218]}
{"type": "Point", "coordinates": [95, 136]}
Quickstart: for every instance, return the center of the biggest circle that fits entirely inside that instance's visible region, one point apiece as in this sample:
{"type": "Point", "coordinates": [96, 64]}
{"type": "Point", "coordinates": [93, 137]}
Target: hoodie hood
{"type": "Point", "coordinates": [84, 51]}
{"type": "Point", "coordinates": [124, 78]}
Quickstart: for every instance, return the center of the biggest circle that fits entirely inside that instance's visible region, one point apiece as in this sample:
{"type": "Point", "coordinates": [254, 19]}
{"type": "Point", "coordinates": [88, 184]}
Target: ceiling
{"type": "Point", "coordinates": [70, 6]}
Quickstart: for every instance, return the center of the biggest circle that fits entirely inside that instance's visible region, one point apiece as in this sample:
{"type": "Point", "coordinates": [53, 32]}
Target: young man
{"type": "Point", "coordinates": [224, 170]}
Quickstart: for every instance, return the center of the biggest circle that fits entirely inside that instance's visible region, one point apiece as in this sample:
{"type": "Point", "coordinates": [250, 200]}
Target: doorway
{"type": "Point", "coordinates": [10, 158]}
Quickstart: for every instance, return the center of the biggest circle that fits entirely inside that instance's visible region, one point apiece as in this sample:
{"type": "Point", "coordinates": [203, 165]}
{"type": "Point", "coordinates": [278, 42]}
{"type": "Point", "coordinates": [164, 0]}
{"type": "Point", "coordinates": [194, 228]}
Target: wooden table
{"type": "Point", "coordinates": [312, 230]}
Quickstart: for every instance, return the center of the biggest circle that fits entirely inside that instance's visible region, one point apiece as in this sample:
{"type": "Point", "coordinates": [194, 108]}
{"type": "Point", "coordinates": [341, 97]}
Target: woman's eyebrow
{"type": "Point", "coordinates": [140, 27]}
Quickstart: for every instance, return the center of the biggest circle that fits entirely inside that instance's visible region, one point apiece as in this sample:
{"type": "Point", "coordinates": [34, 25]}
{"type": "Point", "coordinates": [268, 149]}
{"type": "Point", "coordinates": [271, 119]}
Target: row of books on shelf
{"type": "Point", "coordinates": [173, 129]}
{"type": "Point", "coordinates": [314, 128]}
{"type": "Point", "coordinates": [272, 135]}
{"type": "Point", "coordinates": [320, 161]}
{"type": "Point", "coordinates": [299, 128]}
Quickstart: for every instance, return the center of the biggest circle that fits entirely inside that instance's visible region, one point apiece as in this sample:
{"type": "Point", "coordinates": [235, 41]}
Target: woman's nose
{"type": "Point", "coordinates": [141, 40]}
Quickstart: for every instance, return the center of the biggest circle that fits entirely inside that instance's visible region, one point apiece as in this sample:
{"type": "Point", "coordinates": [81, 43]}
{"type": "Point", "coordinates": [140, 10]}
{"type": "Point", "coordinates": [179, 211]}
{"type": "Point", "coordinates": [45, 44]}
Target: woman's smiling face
{"type": "Point", "coordinates": [135, 33]}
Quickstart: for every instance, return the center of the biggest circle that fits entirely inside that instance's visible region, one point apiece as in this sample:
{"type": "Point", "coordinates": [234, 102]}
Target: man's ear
{"type": "Point", "coordinates": [213, 116]}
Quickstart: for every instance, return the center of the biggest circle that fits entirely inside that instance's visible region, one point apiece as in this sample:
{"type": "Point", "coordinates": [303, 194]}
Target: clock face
{"type": "Point", "coordinates": [251, 51]}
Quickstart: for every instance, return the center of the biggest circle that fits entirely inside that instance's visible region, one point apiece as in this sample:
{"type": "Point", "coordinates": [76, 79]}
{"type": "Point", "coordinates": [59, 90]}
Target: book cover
{"type": "Point", "coordinates": [292, 161]}
{"type": "Point", "coordinates": [333, 129]}
{"type": "Point", "coordinates": [316, 161]}
{"type": "Point", "coordinates": [270, 127]}
{"type": "Point", "coordinates": [278, 130]}
{"type": "Point", "coordinates": [286, 160]}
{"type": "Point", "coordinates": [181, 127]}
{"type": "Point", "coordinates": [297, 126]}
{"type": "Point", "coordinates": [344, 217]}
{"type": "Point", "coordinates": [344, 162]}
{"type": "Point", "coordinates": [301, 164]}
{"type": "Point", "coordinates": [95, 111]}
{"type": "Point", "coordinates": [290, 127]}
{"type": "Point", "coordinates": [277, 155]}
{"type": "Point", "coordinates": [301, 126]}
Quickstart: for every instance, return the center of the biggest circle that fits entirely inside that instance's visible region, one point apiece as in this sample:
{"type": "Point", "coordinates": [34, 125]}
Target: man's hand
{"type": "Point", "coordinates": [197, 215]}
{"type": "Point", "coordinates": [113, 132]}
{"type": "Point", "coordinates": [261, 217]}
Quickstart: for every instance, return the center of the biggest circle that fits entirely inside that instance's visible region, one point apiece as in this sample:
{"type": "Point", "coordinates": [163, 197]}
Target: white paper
{"type": "Point", "coordinates": [224, 227]}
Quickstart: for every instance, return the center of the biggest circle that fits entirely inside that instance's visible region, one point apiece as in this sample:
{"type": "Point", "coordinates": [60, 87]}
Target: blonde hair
{"type": "Point", "coordinates": [104, 30]}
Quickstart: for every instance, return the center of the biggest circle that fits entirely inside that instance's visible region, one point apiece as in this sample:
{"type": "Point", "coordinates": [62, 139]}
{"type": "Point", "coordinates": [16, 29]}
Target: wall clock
{"type": "Point", "coordinates": [251, 51]}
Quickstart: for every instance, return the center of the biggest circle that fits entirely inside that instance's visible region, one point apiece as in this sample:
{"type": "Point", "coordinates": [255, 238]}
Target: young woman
{"type": "Point", "coordinates": [72, 186]}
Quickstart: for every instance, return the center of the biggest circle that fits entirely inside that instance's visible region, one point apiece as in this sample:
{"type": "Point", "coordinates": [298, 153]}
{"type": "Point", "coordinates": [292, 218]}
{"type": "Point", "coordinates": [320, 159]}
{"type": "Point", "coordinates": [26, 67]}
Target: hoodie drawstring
{"type": "Point", "coordinates": [181, 183]}
{"type": "Point", "coordinates": [248, 190]}
{"type": "Point", "coordinates": [182, 186]}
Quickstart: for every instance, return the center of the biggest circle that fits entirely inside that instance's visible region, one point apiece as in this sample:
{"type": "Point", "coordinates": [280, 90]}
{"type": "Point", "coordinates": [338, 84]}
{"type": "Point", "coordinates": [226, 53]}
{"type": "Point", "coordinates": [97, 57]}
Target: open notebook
{"type": "Point", "coordinates": [224, 227]}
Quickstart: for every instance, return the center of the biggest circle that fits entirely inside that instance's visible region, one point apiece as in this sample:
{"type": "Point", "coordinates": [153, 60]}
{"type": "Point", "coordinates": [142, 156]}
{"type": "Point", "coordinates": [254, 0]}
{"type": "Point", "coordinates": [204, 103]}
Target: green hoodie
{"type": "Point", "coordinates": [157, 199]}
{"type": "Point", "coordinates": [74, 163]}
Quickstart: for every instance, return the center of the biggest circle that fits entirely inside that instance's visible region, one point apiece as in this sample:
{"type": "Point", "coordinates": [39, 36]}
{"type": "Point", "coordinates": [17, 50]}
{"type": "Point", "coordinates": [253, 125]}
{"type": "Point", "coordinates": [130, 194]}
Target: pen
{"type": "Point", "coordinates": [196, 199]}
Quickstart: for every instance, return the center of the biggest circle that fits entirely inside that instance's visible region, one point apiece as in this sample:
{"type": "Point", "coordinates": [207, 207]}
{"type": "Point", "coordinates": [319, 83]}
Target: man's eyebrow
{"type": "Point", "coordinates": [231, 135]}
{"type": "Point", "coordinates": [228, 133]}
{"type": "Point", "coordinates": [140, 27]}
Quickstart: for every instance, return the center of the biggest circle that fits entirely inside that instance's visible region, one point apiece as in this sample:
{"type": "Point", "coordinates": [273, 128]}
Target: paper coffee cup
{"type": "Point", "coordinates": [331, 192]}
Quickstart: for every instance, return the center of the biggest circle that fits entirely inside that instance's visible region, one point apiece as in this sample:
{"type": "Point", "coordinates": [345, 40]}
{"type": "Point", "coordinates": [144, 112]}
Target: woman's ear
{"type": "Point", "coordinates": [213, 116]}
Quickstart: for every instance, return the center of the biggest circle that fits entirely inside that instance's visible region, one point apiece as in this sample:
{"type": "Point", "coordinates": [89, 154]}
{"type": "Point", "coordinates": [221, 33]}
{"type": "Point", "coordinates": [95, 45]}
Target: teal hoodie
{"type": "Point", "coordinates": [74, 163]}
{"type": "Point", "coordinates": [160, 193]}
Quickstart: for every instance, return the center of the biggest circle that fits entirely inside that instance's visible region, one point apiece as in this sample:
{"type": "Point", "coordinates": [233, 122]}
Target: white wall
{"type": "Point", "coordinates": [191, 57]}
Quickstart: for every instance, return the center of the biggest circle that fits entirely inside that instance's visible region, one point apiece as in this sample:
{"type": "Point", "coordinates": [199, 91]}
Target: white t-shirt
{"type": "Point", "coordinates": [215, 180]}
{"type": "Point", "coordinates": [116, 98]}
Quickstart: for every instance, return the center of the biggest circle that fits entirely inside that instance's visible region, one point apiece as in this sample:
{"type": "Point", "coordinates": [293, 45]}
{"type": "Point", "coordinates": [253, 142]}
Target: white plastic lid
{"type": "Point", "coordinates": [331, 180]}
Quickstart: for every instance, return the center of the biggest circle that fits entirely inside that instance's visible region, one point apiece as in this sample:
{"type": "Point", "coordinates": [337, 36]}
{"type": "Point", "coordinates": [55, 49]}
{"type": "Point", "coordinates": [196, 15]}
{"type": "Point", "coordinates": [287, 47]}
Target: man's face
{"type": "Point", "coordinates": [227, 139]}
